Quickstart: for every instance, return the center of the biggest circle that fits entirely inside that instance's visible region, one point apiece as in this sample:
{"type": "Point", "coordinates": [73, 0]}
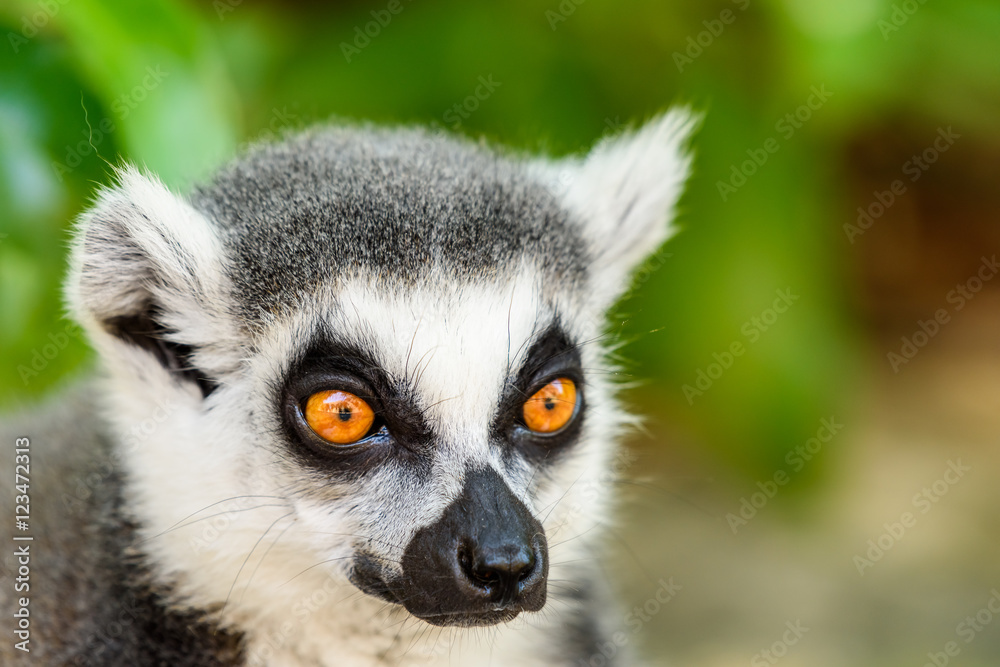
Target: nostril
{"type": "Point", "coordinates": [487, 578]}
{"type": "Point", "coordinates": [499, 571]}
{"type": "Point", "coordinates": [464, 559]}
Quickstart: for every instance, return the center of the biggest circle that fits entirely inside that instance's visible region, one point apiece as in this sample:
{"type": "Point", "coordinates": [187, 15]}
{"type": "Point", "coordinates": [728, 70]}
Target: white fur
{"type": "Point", "coordinates": [456, 343]}
{"type": "Point", "coordinates": [139, 243]}
{"type": "Point", "coordinates": [625, 191]}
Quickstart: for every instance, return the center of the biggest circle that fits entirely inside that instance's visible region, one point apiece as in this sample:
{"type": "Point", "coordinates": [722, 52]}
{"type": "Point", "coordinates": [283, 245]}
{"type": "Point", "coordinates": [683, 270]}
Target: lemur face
{"type": "Point", "coordinates": [381, 352]}
{"type": "Point", "coordinates": [408, 408]}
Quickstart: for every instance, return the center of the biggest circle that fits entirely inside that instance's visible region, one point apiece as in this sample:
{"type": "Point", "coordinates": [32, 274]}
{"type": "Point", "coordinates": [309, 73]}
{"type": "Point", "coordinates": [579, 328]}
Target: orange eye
{"type": "Point", "coordinates": [551, 407]}
{"type": "Point", "coordinates": [339, 417]}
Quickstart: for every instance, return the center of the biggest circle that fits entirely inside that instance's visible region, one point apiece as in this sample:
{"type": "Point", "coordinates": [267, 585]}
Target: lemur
{"type": "Point", "coordinates": [355, 407]}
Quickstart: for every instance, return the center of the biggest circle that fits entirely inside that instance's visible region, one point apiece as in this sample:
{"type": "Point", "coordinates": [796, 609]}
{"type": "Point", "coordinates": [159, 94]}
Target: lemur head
{"type": "Point", "coordinates": [370, 357]}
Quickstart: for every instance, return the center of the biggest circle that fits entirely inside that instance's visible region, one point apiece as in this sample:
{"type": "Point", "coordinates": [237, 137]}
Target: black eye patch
{"type": "Point", "coordinates": [400, 430]}
{"type": "Point", "coordinates": [553, 355]}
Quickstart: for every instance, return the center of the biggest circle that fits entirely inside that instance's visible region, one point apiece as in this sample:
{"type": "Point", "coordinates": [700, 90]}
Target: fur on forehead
{"type": "Point", "coordinates": [394, 203]}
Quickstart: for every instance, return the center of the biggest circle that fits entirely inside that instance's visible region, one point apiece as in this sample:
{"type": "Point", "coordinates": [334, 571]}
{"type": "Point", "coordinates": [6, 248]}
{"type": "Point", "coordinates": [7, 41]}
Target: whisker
{"type": "Point", "coordinates": [631, 552]}
{"type": "Point", "coordinates": [510, 308]}
{"type": "Point", "coordinates": [360, 537]}
{"type": "Point", "coordinates": [670, 494]}
{"type": "Point", "coordinates": [322, 562]}
{"type": "Point", "coordinates": [562, 497]}
{"type": "Point", "coordinates": [578, 535]}
{"type": "Point", "coordinates": [443, 400]}
{"type": "Point", "coordinates": [245, 560]}
{"type": "Point", "coordinates": [262, 558]}
{"type": "Point", "coordinates": [409, 350]}
{"type": "Point", "coordinates": [331, 560]}
{"type": "Point", "coordinates": [226, 500]}
{"type": "Point", "coordinates": [210, 516]}
{"type": "Point", "coordinates": [420, 374]}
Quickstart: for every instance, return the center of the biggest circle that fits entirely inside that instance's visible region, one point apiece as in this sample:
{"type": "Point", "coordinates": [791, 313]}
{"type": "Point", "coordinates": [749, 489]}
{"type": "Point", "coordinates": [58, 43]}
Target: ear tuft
{"type": "Point", "coordinates": [146, 269]}
{"type": "Point", "coordinates": [625, 191]}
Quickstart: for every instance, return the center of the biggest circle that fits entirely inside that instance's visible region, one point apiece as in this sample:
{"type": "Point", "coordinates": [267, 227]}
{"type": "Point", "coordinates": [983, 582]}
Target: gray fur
{"type": "Point", "coordinates": [92, 599]}
{"type": "Point", "coordinates": [392, 203]}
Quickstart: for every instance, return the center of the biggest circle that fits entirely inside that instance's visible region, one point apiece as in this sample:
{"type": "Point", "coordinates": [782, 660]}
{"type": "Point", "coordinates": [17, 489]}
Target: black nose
{"type": "Point", "coordinates": [483, 562]}
{"type": "Point", "coordinates": [502, 572]}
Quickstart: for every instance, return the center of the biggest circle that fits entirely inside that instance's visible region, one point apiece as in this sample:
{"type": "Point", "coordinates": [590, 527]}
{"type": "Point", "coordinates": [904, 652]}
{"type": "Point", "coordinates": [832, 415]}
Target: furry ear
{"type": "Point", "coordinates": [624, 192]}
{"type": "Point", "coordinates": [146, 269]}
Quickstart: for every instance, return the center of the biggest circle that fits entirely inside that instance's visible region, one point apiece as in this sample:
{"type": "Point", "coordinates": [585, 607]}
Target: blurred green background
{"type": "Point", "coordinates": [814, 109]}
{"type": "Point", "coordinates": [177, 86]}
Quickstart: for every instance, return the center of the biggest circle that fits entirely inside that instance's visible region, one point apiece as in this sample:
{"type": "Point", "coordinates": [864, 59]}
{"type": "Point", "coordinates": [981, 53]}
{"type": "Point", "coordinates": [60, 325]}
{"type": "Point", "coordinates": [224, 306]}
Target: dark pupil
{"type": "Point", "coordinates": [345, 414]}
{"type": "Point", "coordinates": [550, 404]}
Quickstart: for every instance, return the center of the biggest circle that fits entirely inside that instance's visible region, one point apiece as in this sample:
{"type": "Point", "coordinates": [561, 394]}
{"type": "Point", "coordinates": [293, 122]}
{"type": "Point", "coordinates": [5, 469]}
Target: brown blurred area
{"type": "Point", "coordinates": [927, 599]}
{"type": "Point", "coordinates": [931, 237]}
